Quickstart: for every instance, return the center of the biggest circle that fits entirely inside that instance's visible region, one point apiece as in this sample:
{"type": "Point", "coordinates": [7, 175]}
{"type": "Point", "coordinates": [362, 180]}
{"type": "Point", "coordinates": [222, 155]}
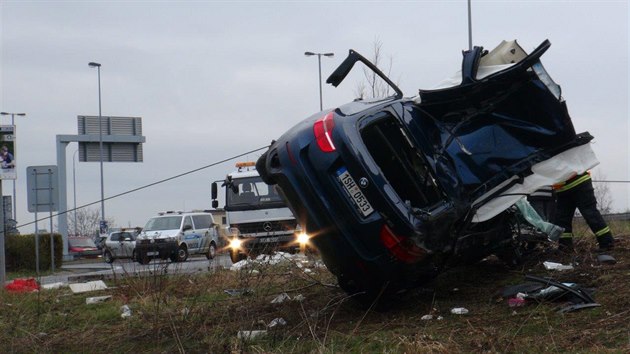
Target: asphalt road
{"type": "Point", "coordinates": [125, 267]}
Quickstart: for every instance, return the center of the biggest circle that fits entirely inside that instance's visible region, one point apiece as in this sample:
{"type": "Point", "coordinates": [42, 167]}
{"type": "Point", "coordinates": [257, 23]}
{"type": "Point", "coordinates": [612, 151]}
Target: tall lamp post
{"type": "Point", "coordinates": [13, 123]}
{"type": "Point", "coordinates": [74, 189]}
{"type": "Point", "coordinates": [319, 62]}
{"type": "Point", "coordinates": [100, 141]}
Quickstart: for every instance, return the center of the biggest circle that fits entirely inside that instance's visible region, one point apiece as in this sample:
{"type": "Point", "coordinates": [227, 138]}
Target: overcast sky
{"type": "Point", "coordinates": [214, 79]}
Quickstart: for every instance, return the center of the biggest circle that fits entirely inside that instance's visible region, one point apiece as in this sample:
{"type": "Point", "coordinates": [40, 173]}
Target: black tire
{"type": "Point", "coordinates": [107, 256]}
{"type": "Point", "coordinates": [182, 254]}
{"type": "Point", "coordinates": [236, 256]}
{"type": "Point", "coordinates": [212, 251]}
{"type": "Point", "coordinates": [143, 259]}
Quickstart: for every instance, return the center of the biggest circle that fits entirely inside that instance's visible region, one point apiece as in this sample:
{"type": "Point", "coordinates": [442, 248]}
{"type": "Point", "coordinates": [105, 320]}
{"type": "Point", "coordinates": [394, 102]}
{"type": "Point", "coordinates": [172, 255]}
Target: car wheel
{"type": "Point", "coordinates": [212, 251]}
{"type": "Point", "coordinates": [182, 254]}
{"type": "Point", "coordinates": [108, 257]}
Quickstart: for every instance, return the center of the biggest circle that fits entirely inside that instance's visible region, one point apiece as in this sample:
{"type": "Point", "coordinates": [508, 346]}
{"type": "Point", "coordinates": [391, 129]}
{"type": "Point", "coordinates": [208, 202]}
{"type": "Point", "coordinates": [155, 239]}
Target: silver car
{"type": "Point", "coordinates": [120, 244]}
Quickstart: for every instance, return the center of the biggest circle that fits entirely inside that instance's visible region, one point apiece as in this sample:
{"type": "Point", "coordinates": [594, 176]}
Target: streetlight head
{"type": "Point", "coordinates": [329, 54]}
{"type": "Point", "coordinates": [94, 65]}
{"type": "Point", "coordinates": [5, 113]}
{"type": "Point", "coordinates": [308, 54]}
{"type": "Point", "coordinates": [21, 114]}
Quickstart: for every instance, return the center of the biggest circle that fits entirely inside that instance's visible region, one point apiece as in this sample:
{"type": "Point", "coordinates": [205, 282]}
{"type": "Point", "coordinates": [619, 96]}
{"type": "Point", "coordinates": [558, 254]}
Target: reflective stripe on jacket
{"type": "Point", "coordinates": [573, 182]}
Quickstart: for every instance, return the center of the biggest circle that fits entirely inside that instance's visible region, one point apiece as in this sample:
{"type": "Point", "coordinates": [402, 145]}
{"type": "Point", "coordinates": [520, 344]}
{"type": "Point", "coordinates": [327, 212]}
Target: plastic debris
{"type": "Point", "coordinates": [126, 311]}
{"type": "Point", "coordinates": [97, 299]}
{"type": "Point", "coordinates": [299, 298]}
{"type": "Point", "coordinates": [236, 292]}
{"type": "Point", "coordinates": [281, 298]}
{"type": "Point", "coordinates": [606, 259]}
{"type": "Point", "coordinates": [89, 286]}
{"type": "Point", "coordinates": [516, 302]}
{"type": "Point", "coordinates": [25, 285]}
{"type": "Point", "coordinates": [279, 321]}
{"type": "Point", "coordinates": [426, 317]}
{"type": "Point", "coordinates": [556, 266]}
{"type": "Point", "coordinates": [249, 335]}
{"type": "Point", "coordinates": [459, 311]}
{"type": "Point", "coordinates": [51, 286]}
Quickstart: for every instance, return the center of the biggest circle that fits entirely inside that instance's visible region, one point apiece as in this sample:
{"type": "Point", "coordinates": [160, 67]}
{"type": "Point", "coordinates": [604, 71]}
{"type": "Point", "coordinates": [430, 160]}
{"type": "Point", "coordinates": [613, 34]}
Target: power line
{"type": "Point", "coordinates": [144, 187]}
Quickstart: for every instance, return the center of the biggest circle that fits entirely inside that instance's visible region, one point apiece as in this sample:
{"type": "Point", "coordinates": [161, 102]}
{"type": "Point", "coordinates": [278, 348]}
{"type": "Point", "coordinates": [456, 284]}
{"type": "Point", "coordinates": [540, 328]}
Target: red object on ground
{"type": "Point", "coordinates": [22, 285]}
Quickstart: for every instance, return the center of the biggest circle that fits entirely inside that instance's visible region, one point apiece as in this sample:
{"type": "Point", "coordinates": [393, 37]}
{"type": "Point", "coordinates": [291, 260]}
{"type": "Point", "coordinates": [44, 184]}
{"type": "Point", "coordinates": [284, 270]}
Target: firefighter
{"type": "Point", "coordinates": [577, 192]}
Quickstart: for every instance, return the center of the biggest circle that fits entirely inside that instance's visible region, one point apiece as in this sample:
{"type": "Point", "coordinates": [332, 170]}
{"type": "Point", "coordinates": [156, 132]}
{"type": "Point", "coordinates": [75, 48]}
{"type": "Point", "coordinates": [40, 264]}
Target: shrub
{"type": "Point", "coordinates": [20, 251]}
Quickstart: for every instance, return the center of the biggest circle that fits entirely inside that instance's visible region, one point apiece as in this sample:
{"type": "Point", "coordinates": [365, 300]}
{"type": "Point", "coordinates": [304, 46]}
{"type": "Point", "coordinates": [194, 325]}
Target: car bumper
{"type": "Point", "coordinates": [156, 250]}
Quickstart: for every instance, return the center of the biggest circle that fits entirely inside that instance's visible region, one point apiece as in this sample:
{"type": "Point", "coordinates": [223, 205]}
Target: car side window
{"type": "Point", "coordinates": [126, 236]}
{"type": "Point", "coordinates": [187, 222]}
{"type": "Point", "coordinates": [202, 221]}
{"type": "Point", "coordinates": [116, 237]}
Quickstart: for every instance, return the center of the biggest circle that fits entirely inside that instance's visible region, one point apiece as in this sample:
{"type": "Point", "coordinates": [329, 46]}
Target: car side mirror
{"type": "Point", "coordinates": [187, 227]}
{"type": "Point", "coordinates": [215, 204]}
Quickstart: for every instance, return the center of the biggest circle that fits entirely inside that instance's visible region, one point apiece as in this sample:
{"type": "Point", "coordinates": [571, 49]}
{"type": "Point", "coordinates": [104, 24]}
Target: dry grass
{"type": "Point", "coordinates": [193, 314]}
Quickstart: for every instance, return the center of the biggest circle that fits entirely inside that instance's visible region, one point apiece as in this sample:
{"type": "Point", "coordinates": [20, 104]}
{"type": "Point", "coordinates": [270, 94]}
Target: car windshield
{"type": "Point", "coordinates": [163, 223]}
{"type": "Point", "coordinates": [81, 242]}
{"type": "Point", "coordinates": [253, 191]}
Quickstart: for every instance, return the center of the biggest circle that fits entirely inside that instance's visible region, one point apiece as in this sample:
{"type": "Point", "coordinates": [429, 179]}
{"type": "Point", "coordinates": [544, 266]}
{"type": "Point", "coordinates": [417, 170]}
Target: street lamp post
{"type": "Point", "coordinates": [100, 140]}
{"type": "Point", "coordinates": [319, 62]}
{"type": "Point", "coordinates": [74, 189]}
{"type": "Point", "coordinates": [14, 194]}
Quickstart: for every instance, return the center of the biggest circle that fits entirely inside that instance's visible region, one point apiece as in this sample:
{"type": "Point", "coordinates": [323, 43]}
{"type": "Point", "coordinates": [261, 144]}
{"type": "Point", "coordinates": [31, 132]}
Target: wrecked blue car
{"type": "Point", "coordinates": [393, 190]}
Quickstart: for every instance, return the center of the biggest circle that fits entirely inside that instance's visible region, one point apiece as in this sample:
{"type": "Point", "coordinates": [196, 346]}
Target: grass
{"type": "Point", "coordinates": [192, 313]}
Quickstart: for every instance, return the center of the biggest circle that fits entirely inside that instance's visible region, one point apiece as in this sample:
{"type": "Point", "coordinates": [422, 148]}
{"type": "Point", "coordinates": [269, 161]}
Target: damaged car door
{"type": "Point", "coordinates": [393, 190]}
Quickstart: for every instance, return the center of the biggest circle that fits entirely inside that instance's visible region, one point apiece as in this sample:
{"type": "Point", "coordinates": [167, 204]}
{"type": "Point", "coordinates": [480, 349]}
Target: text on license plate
{"type": "Point", "coordinates": [355, 193]}
{"type": "Point", "coordinates": [153, 253]}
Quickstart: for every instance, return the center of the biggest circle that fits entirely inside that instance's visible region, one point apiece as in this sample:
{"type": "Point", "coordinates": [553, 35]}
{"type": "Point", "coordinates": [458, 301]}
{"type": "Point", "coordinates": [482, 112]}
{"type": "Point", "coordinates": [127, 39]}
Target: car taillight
{"type": "Point", "coordinates": [322, 129]}
{"type": "Point", "coordinates": [401, 247]}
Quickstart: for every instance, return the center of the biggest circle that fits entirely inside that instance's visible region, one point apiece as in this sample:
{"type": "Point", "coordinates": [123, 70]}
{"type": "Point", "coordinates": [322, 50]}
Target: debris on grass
{"type": "Point", "coordinates": [606, 259]}
{"type": "Point", "coordinates": [89, 286]}
{"type": "Point", "coordinates": [52, 286]}
{"type": "Point", "coordinates": [299, 298]}
{"type": "Point", "coordinates": [281, 298]}
{"type": "Point", "coordinates": [459, 311]}
{"type": "Point", "coordinates": [20, 285]}
{"type": "Point", "coordinates": [125, 311]}
{"type": "Point", "coordinates": [278, 321]}
{"type": "Point", "coordinates": [249, 335]}
{"type": "Point", "coordinates": [97, 299]}
{"type": "Point", "coordinates": [556, 266]}
{"type": "Point", "coordinates": [237, 292]}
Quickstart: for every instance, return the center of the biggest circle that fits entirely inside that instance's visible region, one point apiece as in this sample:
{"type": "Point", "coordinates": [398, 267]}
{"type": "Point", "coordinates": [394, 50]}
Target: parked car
{"type": "Point", "coordinates": [393, 190]}
{"type": "Point", "coordinates": [120, 244]}
{"type": "Point", "coordinates": [176, 235]}
{"type": "Point", "coordinates": [82, 247]}
{"type": "Point", "coordinates": [100, 241]}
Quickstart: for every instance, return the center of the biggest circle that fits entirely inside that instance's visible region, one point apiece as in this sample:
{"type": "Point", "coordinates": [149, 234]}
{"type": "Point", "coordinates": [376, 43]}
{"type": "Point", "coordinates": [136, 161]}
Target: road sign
{"type": "Point", "coordinates": [42, 188]}
{"type": "Point", "coordinates": [7, 152]}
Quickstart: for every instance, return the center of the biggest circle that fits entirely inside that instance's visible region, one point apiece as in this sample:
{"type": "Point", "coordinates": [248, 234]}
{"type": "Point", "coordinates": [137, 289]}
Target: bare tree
{"type": "Point", "coordinates": [87, 222]}
{"type": "Point", "coordinates": [373, 86]}
{"type": "Point", "coordinates": [602, 194]}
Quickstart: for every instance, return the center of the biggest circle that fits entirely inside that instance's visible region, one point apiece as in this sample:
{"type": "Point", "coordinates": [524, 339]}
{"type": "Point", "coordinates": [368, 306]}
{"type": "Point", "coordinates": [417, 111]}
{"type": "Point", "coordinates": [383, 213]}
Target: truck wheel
{"type": "Point", "coordinates": [108, 257]}
{"type": "Point", "coordinates": [182, 254]}
{"type": "Point", "coordinates": [143, 259]}
{"type": "Point", "coordinates": [236, 256]}
{"type": "Point", "coordinates": [212, 251]}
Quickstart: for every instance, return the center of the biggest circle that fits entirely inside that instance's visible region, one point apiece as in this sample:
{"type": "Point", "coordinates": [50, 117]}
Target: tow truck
{"type": "Point", "coordinates": [258, 219]}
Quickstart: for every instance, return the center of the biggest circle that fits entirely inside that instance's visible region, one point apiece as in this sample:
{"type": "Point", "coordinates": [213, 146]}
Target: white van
{"type": "Point", "coordinates": [176, 235]}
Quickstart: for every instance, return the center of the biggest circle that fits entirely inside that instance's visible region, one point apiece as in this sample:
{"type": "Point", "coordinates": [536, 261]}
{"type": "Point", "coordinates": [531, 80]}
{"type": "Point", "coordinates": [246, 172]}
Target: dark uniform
{"type": "Point", "coordinates": [578, 192]}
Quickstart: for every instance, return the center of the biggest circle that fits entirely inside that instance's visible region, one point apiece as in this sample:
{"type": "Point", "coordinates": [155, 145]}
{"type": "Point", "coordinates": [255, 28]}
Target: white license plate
{"type": "Point", "coordinates": [153, 253]}
{"type": "Point", "coordinates": [360, 201]}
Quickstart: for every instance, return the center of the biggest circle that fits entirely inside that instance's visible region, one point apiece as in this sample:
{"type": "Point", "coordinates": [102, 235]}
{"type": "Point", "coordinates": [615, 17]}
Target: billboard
{"type": "Point", "coordinates": [7, 152]}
